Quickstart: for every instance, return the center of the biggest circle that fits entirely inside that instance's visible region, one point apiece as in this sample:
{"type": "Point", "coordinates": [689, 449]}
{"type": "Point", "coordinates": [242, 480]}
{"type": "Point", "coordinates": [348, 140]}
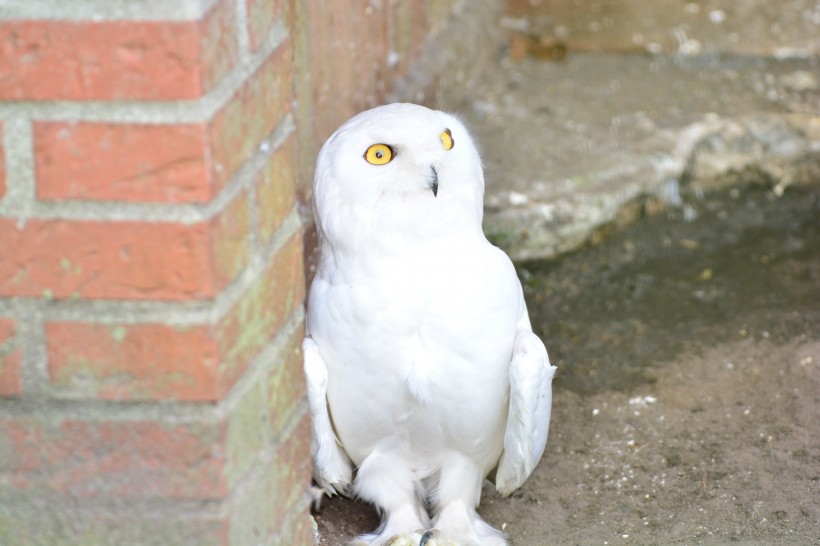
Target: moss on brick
{"type": "Point", "coordinates": [58, 522]}
{"type": "Point", "coordinates": [261, 310]}
{"type": "Point", "coordinates": [231, 239]}
{"type": "Point", "coordinates": [247, 432]}
{"type": "Point", "coordinates": [275, 195]}
{"type": "Point", "coordinates": [285, 386]}
{"type": "Point", "coordinates": [277, 489]}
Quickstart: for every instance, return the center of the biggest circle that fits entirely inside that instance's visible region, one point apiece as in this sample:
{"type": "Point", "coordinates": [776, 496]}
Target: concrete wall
{"type": "Point", "coordinates": [152, 159]}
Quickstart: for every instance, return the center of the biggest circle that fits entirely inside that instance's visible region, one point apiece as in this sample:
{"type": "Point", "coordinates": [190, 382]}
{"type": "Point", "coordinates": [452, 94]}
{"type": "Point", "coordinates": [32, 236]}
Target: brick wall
{"type": "Point", "coordinates": [357, 54]}
{"type": "Point", "coordinates": [152, 158]}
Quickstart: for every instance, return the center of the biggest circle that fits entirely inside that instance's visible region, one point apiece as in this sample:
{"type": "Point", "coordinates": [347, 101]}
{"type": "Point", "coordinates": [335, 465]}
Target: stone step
{"type": "Point", "coordinates": [568, 145]}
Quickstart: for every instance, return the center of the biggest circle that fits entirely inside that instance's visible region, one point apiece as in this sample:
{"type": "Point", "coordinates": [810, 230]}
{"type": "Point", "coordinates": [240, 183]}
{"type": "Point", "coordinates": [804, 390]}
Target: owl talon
{"type": "Point", "coordinates": [430, 537]}
{"type": "Point", "coordinates": [434, 537]}
{"type": "Point", "coordinates": [400, 540]}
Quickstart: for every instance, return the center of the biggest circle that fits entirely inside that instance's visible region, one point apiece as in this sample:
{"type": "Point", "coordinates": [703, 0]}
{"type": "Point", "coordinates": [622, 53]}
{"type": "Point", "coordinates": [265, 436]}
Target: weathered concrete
{"type": "Point", "coordinates": [568, 145]}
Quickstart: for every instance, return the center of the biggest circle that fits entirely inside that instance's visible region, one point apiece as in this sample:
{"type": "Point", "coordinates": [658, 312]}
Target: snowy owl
{"type": "Point", "coordinates": [422, 368]}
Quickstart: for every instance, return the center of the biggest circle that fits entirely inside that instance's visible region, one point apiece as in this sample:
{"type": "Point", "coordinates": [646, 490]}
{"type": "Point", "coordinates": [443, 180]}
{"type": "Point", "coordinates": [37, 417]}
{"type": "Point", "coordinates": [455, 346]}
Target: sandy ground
{"type": "Point", "coordinates": [687, 403]}
{"type": "Point", "coordinates": [724, 448]}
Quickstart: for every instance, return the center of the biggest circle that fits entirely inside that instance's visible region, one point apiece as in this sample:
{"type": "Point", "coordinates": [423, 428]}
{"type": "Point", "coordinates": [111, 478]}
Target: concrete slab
{"type": "Point", "coordinates": [569, 145]}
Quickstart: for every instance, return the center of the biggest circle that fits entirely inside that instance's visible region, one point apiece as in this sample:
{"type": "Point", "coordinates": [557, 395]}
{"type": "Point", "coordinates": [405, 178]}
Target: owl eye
{"type": "Point", "coordinates": [447, 139]}
{"type": "Point", "coordinates": [379, 154]}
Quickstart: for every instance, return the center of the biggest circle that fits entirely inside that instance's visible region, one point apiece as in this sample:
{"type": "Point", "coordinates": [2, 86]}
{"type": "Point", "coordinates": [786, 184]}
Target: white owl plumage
{"type": "Point", "coordinates": [423, 371]}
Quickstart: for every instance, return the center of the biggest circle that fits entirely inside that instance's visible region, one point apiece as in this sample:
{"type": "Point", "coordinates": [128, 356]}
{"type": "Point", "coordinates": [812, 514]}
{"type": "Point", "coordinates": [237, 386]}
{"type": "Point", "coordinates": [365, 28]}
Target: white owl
{"type": "Point", "coordinates": [423, 371]}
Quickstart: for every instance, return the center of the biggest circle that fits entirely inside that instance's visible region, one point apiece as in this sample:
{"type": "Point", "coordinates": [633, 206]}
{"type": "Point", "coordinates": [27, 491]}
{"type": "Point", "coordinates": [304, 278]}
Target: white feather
{"type": "Point", "coordinates": [530, 405]}
{"type": "Point", "coordinates": [331, 466]}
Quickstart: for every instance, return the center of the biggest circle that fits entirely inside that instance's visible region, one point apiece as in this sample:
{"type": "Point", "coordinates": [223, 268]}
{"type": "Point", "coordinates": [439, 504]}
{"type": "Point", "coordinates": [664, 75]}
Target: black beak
{"type": "Point", "coordinates": [434, 181]}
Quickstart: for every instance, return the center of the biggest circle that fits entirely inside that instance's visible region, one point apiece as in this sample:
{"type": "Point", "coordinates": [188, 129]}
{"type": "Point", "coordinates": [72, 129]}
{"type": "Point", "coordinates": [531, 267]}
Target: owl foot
{"type": "Point", "coordinates": [461, 525]}
{"type": "Point", "coordinates": [433, 537]}
{"type": "Point", "coordinates": [411, 539]}
{"type": "Point", "coordinates": [403, 540]}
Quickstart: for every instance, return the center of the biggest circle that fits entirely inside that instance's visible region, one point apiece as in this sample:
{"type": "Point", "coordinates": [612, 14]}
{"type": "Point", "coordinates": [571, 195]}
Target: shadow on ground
{"type": "Point", "coordinates": [731, 265]}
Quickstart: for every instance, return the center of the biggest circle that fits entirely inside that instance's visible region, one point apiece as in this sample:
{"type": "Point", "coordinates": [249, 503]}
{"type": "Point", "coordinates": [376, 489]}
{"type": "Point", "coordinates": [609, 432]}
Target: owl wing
{"type": "Point", "coordinates": [530, 402]}
{"type": "Point", "coordinates": [332, 468]}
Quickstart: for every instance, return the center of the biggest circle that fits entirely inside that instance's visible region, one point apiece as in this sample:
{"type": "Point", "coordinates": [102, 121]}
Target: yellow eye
{"type": "Point", "coordinates": [379, 154]}
{"type": "Point", "coordinates": [447, 139]}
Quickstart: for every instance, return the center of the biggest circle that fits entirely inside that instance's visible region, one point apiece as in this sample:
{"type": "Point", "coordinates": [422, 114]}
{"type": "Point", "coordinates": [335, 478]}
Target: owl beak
{"type": "Point", "coordinates": [433, 182]}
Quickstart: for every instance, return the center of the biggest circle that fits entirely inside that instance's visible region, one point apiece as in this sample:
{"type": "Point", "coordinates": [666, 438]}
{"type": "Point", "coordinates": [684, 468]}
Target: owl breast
{"type": "Point", "coordinates": [423, 339]}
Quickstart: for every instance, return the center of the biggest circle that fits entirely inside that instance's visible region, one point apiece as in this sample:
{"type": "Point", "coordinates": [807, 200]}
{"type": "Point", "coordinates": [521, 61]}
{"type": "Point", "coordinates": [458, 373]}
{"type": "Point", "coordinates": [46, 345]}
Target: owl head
{"type": "Point", "coordinates": [398, 166]}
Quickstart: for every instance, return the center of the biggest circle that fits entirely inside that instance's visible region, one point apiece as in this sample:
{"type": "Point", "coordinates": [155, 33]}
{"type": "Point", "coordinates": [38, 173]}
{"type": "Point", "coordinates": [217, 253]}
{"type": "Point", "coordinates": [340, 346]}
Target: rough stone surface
{"type": "Point", "coordinates": [568, 145]}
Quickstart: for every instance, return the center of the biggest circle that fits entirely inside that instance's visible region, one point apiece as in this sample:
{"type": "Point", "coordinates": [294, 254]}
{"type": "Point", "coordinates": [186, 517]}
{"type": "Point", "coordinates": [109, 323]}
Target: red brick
{"type": "Point", "coordinates": [370, 47]}
{"type": "Point", "coordinates": [275, 191]}
{"type": "Point", "coordinates": [251, 114]}
{"type": "Point", "coordinates": [163, 163]}
{"type": "Point", "coordinates": [2, 164]}
{"type": "Point", "coordinates": [261, 311]}
{"type": "Point", "coordinates": [129, 260]}
{"type": "Point", "coordinates": [347, 56]}
{"type": "Point", "coordinates": [122, 162]}
{"type": "Point", "coordinates": [11, 383]}
{"type": "Point", "coordinates": [301, 531]}
{"type": "Point", "coordinates": [117, 524]}
{"type": "Point", "coordinates": [329, 55]}
{"type": "Point", "coordinates": [149, 459]}
{"type": "Point", "coordinates": [198, 363]}
{"type": "Point", "coordinates": [138, 361]}
{"type": "Point", "coordinates": [100, 60]}
{"type": "Point", "coordinates": [262, 14]}
{"type": "Point", "coordinates": [219, 47]}
{"type": "Point", "coordinates": [408, 30]}
{"type": "Point", "coordinates": [126, 459]}
{"type": "Point", "coordinates": [293, 468]}
{"type": "Point", "coordinates": [276, 496]}
{"type": "Point", "coordinates": [286, 386]}
{"type": "Point", "coordinates": [521, 8]}
{"type": "Point", "coordinates": [230, 240]}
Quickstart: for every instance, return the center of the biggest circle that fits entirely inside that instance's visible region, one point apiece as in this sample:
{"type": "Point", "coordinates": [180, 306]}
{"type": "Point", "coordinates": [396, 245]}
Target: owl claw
{"type": "Point", "coordinates": [434, 537]}
{"type": "Point", "coordinates": [400, 540]}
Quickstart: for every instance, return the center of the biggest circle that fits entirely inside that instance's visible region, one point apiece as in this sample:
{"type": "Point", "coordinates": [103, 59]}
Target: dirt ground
{"type": "Point", "coordinates": [687, 403]}
{"type": "Point", "coordinates": [723, 448]}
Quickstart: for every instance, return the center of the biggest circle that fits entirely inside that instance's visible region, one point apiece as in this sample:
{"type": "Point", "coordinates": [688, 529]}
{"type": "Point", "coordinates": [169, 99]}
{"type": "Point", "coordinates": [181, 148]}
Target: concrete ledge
{"type": "Point", "coordinates": [569, 146]}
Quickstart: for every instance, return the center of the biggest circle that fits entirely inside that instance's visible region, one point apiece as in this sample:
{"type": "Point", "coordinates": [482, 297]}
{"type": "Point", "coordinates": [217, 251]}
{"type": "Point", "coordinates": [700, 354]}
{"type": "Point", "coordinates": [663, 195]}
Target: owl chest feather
{"type": "Point", "coordinates": [418, 343]}
{"type": "Point", "coordinates": [411, 312]}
